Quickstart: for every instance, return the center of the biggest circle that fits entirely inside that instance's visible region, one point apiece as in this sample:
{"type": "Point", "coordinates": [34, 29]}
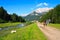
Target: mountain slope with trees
{"type": "Point", "coordinates": [5, 17]}
{"type": "Point", "coordinates": [34, 16]}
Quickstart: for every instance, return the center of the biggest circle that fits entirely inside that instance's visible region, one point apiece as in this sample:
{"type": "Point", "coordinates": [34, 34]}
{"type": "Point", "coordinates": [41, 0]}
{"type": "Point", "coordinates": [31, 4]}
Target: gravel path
{"type": "Point", "coordinates": [50, 32]}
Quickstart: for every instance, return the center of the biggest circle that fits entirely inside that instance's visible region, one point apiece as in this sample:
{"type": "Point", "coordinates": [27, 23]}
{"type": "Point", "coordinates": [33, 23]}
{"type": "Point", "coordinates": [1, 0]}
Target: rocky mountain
{"type": "Point", "coordinates": [33, 16]}
{"type": "Point", "coordinates": [36, 15]}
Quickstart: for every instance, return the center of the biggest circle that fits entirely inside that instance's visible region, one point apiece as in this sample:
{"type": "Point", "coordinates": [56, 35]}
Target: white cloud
{"type": "Point", "coordinates": [23, 14]}
{"type": "Point", "coordinates": [42, 4]}
{"type": "Point", "coordinates": [45, 4]}
{"type": "Point", "coordinates": [33, 14]}
{"type": "Point", "coordinates": [40, 10]}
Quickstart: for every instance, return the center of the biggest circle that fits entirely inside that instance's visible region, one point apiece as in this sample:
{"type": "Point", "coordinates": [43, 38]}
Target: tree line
{"type": "Point", "coordinates": [53, 15]}
{"type": "Point", "coordinates": [5, 17]}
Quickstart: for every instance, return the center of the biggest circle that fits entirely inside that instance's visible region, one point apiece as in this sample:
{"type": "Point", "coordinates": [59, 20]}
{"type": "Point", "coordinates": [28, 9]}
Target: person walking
{"type": "Point", "coordinates": [44, 23]}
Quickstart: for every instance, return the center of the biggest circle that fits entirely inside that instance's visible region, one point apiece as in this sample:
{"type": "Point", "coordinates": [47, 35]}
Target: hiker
{"type": "Point", "coordinates": [44, 23]}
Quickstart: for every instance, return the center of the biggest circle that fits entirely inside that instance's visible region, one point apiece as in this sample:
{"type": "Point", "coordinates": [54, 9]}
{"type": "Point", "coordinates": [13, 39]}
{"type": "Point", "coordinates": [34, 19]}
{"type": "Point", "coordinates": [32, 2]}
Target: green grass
{"type": "Point", "coordinates": [55, 25]}
{"type": "Point", "coordinates": [30, 32]}
{"type": "Point", "coordinates": [8, 24]}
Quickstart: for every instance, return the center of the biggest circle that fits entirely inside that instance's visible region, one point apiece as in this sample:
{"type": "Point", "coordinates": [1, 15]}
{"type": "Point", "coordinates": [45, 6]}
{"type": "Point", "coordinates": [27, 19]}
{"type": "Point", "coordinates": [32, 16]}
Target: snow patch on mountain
{"type": "Point", "coordinates": [36, 14]}
{"type": "Point", "coordinates": [40, 10]}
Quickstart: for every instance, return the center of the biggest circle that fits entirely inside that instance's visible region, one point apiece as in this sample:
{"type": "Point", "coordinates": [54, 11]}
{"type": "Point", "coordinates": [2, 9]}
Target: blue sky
{"type": "Point", "coordinates": [23, 7]}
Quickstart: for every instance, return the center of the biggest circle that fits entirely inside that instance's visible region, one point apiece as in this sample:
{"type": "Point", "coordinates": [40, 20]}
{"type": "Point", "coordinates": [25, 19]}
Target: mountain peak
{"type": "Point", "coordinates": [40, 10]}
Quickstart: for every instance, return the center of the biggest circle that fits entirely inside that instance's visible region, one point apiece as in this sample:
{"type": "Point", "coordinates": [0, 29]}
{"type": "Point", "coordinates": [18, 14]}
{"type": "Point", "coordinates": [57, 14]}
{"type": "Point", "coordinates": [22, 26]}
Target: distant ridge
{"type": "Point", "coordinates": [36, 15]}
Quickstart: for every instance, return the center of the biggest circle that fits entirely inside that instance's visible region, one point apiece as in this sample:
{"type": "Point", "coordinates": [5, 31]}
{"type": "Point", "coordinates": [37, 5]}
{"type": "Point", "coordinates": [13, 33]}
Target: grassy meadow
{"type": "Point", "coordinates": [8, 24]}
{"type": "Point", "coordinates": [55, 25]}
{"type": "Point", "coordinates": [30, 32]}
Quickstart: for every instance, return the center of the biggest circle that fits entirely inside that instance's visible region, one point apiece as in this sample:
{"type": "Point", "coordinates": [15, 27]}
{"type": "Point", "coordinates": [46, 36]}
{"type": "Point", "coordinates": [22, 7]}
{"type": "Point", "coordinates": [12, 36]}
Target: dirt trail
{"type": "Point", "coordinates": [50, 32]}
